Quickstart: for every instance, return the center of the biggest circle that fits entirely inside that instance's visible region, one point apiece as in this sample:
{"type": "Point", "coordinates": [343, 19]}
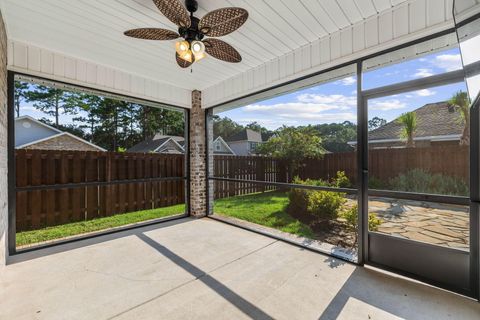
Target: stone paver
{"type": "Point", "coordinates": [439, 224]}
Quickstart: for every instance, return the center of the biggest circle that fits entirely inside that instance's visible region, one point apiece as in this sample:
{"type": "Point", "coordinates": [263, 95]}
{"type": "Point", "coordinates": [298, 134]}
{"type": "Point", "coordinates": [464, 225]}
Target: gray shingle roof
{"type": "Point", "coordinates": [151, 144]}
{"type": "Point", "coordinates": [246, 135]}
{"type": "Point", "coordinates": [433, 119]}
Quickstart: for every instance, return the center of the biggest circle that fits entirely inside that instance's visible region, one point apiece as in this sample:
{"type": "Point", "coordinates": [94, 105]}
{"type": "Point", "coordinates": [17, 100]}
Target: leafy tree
{"type": "Point", "coordinates": [375, 123]}
{"type": "Point", "coordinates": [225, 127]}
{"type": "Point", "coordinates": [294, 145]}
{"type": "Point", "coordinates": [409, 122]}
{"type": "Point", "coordinates": [49, 100]}
{"type": "Point", "coordinates": [462, 102]}
{"type": "Point", "coordinates": [163, 121]}
{"type": "Point", "coordinates": [75, 130]}
{"type": "Point", "coordinates": [255, 126]}
{"type": "Point", "coordinates": [21, 89]}
{"type": "Point", "coordinates": [335, 136]}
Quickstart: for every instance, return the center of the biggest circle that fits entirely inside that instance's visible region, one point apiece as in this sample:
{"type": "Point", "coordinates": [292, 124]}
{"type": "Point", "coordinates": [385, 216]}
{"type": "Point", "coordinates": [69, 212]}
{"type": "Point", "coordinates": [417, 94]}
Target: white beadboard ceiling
{"type": "Point", "coordinates": [82, 42]}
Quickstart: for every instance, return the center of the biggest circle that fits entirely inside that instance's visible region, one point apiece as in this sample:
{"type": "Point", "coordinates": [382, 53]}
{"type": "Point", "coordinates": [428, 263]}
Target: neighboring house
{"type": "Point", "coordinates": [33, 134]}
{"type": "Point", "coordinates": [175, 145]}
{"type": "Point", "coordinates": [220, 147]}
{"type": "Point", "coordinates": [245, 142]}
{"type": "Point", "coordinates": [160, 144]}
{"type": "Point", "coordinates": [437, 124]}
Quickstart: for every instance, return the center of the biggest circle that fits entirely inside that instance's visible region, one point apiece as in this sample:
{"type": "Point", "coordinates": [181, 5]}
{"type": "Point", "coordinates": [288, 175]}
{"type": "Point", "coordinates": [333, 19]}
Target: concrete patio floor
{"type": "Point", "coordinates": [205, 269]}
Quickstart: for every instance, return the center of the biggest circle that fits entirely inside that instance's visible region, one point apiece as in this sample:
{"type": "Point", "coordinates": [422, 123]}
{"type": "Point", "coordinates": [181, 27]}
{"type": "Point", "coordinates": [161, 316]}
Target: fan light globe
{"type": "Point", "coordinates": [187, 56]}
{"type": "Point", "coordinates": [198, 49]}
{"type": "Point", "coordinates": [182, 47]}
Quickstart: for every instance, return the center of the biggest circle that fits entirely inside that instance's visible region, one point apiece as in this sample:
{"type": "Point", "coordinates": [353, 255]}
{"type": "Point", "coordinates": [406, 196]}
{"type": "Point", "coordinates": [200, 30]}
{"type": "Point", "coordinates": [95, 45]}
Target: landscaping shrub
{"type": "Point", "coordinates": [318, 203]}
{"type": "Point", "coordinates": [351, 218]}
{"type": "Point", "coordinates": [341, 180]}
{"type": "Point", "coordinates": [325, 204]}
{"type": "Point", "coordinates": [419, 180]}
{"type": "Point", "coordinates": [376, 183]}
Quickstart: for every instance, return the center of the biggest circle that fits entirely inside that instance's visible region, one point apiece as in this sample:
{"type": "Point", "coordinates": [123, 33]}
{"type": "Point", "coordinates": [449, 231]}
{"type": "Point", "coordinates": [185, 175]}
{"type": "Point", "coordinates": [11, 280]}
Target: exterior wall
{"type": "Point", "coordinates": [220, 148]}
{"type": "Point", "coordinates": [198, 165]}
{"type": "Point", "coordinates": [63, 142]}
{"type": "Point", "coordinates": [27, 131]}
{"type": "Point", "coordinates": [3, 147]}
{"type": "Point", "coordinates": [239, 147]}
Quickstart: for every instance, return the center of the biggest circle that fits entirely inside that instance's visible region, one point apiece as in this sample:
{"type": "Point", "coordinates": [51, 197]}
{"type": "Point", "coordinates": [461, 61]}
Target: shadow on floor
{"type": "Point", "coordinates": [398, 297]}
{"type": "Point", "coordinates": [240, 303]}
{"type": "Point", "coordinates": [62, 247]}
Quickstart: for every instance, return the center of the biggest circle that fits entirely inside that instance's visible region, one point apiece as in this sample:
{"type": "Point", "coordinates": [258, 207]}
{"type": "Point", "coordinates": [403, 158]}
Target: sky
{"type": "Point", "coordinates": [336, 101]}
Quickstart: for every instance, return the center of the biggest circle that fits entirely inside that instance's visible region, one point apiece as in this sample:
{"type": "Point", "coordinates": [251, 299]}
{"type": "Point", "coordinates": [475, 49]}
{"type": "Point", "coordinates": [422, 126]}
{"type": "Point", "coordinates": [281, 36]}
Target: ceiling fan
{"type": "Point", "coordinates": [193, 47]}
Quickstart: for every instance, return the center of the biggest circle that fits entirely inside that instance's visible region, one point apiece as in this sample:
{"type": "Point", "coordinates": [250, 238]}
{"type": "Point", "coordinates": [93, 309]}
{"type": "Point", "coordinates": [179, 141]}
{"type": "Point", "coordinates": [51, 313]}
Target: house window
{"type": "Point", "coordinates": [217, 147]}
{"type": "Point", "coordinates": [252, 146]}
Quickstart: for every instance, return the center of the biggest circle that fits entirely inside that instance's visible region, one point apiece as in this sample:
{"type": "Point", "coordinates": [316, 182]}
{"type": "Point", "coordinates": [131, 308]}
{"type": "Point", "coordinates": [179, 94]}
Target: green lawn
{"type": "Point", "coordinates": [266, 209]}
{"type": "Point", "coordinates": [76, 228]}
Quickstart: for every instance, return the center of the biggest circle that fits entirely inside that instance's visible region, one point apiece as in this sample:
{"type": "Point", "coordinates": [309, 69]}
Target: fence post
{"type": "Point", "coordinates": [260, 173]}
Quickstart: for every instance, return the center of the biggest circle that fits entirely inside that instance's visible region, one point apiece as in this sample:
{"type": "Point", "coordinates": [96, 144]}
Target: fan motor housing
{"type": "Point", "coordinates": [192, 33]}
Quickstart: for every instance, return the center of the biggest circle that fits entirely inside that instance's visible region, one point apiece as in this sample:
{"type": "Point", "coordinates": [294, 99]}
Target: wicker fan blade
{"type": "Point", "coordinates": [221, 50]}
{"type": "Point", "coordinates": [223, 21]}
{"type": "Point", "coordinates": [174, 11]}
{"type": "Point", "coordinates": [152, 34]}
{"type": "Point", "coordinates": [183, 63]}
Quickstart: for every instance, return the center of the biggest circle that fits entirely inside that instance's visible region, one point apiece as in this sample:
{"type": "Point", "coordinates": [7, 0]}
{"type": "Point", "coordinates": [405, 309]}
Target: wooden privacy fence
{"type": "Point", "coordinates": [452, 160]}
{"type": "Point", "coordinates": [57, 187]}
{"type": "Point", "coordinates": [384, 164]}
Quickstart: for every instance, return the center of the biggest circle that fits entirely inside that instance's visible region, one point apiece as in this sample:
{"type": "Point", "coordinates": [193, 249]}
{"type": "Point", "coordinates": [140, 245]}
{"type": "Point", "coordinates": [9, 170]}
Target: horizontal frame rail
{"type": "Point", "coordinates": [414, 85]}
{"type": "Point", "coordinates": [288, 185]}
{"type": "Point", "coordinates": [456, 200]}
{"type": "Point", "coordinates": [95, 184]}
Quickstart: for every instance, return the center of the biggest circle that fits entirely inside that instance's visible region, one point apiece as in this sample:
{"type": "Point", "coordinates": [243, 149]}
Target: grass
{"type": "Point", "coordinates": [266, 209]}
{"type": "Point", "coordinates": [76, 228]}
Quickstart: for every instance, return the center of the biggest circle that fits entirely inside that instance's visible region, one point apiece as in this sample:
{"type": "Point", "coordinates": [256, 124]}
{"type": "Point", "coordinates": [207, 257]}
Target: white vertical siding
{"type": "Point", "coordinates": [29, 59]}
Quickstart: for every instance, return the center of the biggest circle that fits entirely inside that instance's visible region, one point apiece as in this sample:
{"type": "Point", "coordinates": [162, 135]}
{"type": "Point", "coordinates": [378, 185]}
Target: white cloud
{"type": "Point", "coordinates": [348, 81]}
{"type": "Point", "coordinates": [425, 93]}
{"type": "Point", "coordinates": [448, 62]}
{"type": "Point", "coordinates": [291, 107]}
{"type": "Point", "coordinates": [423, 72]}
{"type": "Point", "coordinates": [338, 100]}
{"type": "Point", "coordinates": [307, 108]}
{"type": "Point", "coordinates": [387, 105]}
{"type": "Point", "coordinates": [324, 117]}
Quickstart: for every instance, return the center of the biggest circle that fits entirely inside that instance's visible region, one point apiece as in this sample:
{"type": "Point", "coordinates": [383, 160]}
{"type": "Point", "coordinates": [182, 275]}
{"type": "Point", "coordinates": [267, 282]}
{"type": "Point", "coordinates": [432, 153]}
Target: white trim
{"type": "Point", "coordinates": [225, 144]}
{"type": "Point", "coordinates": [38, 122]}
{"type": "Point", "coordinates": [169, 138]}
{"type": "Point", "coordinates": [59, 135]}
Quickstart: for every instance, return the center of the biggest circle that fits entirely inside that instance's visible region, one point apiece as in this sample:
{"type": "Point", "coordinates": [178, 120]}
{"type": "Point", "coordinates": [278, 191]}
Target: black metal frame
{"type": "Point", "coordinates": [362, 164]}
{"type": "Point", "coordinates": [402, 255]}
{"type": "Point", "coordinates": [12, 189]}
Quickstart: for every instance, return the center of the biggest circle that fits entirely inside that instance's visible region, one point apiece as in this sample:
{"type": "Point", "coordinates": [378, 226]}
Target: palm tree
{"type": "Point", "coordinates": [460, 100]}
{"type": "Point", "coordinates": [409, 122]}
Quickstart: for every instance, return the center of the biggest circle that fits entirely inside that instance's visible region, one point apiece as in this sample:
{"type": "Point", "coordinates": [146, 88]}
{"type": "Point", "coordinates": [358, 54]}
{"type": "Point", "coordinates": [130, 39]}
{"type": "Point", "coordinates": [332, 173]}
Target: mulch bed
{"type": "Point", "coordinates": [335, 232]}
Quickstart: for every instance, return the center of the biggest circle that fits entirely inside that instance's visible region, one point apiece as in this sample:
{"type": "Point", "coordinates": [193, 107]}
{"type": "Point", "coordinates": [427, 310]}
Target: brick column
{"type": "Point", "coordinates": [3, 146]}
{"type": "Point", "coordinates": [198, 179]}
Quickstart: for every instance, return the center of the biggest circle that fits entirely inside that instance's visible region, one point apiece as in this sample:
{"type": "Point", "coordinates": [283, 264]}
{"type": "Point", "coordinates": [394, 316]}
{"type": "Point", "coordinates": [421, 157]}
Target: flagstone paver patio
{"type": "Point", "coordinates": [434, 223]}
